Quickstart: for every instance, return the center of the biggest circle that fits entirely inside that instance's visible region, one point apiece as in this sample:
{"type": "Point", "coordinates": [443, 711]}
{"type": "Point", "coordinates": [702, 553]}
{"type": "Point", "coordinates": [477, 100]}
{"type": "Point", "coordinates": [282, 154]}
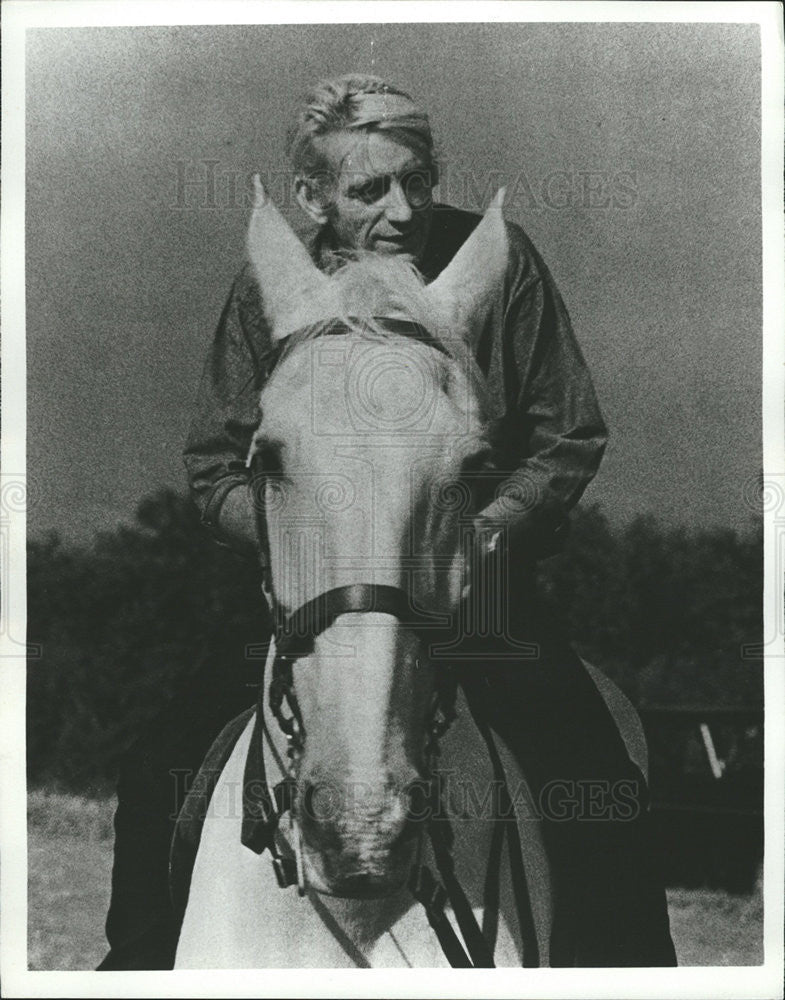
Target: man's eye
{"type": "Point", "coordinates": [373, 191]}
{"type": "Point", "coordinates": [417, 187]}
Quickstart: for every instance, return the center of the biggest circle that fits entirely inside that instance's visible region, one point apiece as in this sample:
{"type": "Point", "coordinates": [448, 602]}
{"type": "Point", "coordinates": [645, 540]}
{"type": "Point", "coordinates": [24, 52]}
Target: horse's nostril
{"type": "Point", "coordinates": [320, 803]}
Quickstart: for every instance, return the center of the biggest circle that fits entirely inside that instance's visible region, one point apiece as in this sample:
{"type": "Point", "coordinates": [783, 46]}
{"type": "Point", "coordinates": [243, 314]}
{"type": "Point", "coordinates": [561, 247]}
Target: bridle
{"type": "Point", "coordinates": [295, 635]}
{"type": "Point", "coordinates": [260, 826]}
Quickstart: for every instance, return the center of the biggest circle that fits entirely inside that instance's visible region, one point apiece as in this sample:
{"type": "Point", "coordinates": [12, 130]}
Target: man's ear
{"type": "Point", "coordinates": [312, 198]}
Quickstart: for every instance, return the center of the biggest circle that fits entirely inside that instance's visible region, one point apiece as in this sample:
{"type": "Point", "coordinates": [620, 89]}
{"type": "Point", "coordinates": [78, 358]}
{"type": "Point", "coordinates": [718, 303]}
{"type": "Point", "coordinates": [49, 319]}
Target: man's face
{"type": "Point", "coordinates": [381, 197]}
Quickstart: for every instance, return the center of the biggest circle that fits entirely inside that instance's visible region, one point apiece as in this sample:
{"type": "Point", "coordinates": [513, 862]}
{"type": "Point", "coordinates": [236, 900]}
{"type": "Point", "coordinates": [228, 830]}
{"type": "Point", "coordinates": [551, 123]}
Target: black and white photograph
{"type": "Point", "coordinates": [393, 500]}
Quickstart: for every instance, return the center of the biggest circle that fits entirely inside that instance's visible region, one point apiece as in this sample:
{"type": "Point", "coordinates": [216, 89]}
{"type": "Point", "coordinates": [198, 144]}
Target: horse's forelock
{"type": "Point", "coordinates": [371, 285]}
{"type": "Point", "coordinates": [374, 287]}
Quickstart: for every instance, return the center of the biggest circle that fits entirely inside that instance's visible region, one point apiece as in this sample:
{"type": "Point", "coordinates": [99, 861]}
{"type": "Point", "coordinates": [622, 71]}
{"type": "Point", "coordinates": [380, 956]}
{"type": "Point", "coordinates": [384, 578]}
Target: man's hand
{"type": "Point", "coordinates": [501, 521]}
{"type": "Point", "coordinates": [485, 549]}
{"type": "Point", "coordinates": [527, 533]}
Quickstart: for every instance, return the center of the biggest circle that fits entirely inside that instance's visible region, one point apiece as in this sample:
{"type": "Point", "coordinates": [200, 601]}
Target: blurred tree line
{"type": "Point", "coordinates": [125, 623]}
{"type": "Point", "coordinates": [673, 616]}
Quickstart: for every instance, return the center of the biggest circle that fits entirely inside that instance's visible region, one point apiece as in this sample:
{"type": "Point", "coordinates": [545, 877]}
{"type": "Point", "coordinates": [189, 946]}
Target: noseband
{"type": "Point", "coordinates": [296, 634]}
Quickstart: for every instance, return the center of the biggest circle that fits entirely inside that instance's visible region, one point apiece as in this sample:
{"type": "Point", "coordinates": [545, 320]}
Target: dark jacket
{"type": "Point", "coordinates": [546, 425]}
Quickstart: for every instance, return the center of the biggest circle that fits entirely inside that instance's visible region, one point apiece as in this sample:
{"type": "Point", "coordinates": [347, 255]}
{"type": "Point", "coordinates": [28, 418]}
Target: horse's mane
{"type": "Point", "coordinates": [372, 287]}
{"type": "Point", "coordinates": [382, 285]}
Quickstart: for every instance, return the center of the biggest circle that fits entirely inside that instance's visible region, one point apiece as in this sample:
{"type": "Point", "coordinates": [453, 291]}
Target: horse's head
{"type": "Point", "coordinates": [368, 439]}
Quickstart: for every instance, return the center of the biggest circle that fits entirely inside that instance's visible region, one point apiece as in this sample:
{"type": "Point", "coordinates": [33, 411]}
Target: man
{"type": "Point", "coordinates": [362, 155]}
{"type": "Point", "coordinates": [364, 168]}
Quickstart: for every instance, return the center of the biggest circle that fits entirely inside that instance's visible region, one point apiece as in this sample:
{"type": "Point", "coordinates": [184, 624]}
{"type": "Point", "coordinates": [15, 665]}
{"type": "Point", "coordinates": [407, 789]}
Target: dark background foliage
{"type": "Point", "coordinates": [126, 622]}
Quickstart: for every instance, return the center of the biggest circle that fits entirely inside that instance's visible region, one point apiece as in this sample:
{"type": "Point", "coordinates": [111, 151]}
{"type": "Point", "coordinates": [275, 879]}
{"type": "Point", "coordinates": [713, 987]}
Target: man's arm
{"type": "Point", "coordinates": [552, 435]}
{"type": "Point", "coordinates": [227, 414]}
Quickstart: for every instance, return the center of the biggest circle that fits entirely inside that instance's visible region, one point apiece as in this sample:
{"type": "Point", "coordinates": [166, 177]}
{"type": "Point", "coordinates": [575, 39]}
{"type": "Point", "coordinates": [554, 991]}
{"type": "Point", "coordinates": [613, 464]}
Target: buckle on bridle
{"type": "Point", "coordinates": [282, 689]}
{"type": "Point", "coordinates": [285, 871]}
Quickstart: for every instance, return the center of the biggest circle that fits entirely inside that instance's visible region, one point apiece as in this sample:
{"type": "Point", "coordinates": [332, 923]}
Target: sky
{"type": "Point", "coordinates": [631, 157]}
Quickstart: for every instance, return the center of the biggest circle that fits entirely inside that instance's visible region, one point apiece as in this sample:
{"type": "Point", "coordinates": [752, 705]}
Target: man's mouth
{"type": "Point", "coordinates": [394, 241]}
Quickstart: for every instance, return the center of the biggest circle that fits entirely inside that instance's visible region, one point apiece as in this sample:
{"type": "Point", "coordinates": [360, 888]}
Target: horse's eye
{"type": "Point", "coordinates": [269, 458]}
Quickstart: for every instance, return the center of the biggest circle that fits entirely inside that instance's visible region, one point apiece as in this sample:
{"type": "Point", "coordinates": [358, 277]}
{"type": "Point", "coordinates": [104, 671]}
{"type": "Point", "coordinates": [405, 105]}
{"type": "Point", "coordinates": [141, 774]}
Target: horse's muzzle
{"type": "Point", "coordinates": [357, 843]}
{"type": "Point", "coordinates": [359, 886]}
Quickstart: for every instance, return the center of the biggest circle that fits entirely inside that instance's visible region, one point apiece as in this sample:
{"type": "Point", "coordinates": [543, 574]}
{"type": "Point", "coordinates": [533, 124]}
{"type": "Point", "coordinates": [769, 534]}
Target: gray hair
{"type": "Point", "coordinates": [338, 104]}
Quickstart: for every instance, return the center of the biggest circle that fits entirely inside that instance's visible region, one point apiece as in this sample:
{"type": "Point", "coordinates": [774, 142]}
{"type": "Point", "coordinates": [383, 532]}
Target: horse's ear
{"type": "Point", "coordinates": [465, 290]}
{"type": "Point", "coordinates": [294, 291]}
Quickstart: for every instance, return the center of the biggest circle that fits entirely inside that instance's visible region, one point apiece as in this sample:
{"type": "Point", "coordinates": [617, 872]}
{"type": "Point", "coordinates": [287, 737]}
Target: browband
{"type": "Point", "coordinates": [403, 327]}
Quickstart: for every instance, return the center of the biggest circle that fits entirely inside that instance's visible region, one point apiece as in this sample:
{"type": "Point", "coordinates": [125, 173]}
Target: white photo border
{"type": "Point", "coordinates": [760, 981]}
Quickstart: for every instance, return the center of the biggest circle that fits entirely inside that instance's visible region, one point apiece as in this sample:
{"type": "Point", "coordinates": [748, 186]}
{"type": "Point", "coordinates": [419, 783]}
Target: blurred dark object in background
{"type": "Point", "coordinates": [152, 617]}
{"type": "Point", "coordinates": [146, 619]}
{"type": "Point", "coordinates": [706, 777]}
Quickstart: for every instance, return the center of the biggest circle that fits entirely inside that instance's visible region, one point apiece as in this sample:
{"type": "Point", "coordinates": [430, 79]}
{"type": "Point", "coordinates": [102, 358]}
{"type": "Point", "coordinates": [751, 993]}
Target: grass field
{"type": "Point", "coordinates": [69, 872]}
{"type": "Point", "coordinates": [70, 863]}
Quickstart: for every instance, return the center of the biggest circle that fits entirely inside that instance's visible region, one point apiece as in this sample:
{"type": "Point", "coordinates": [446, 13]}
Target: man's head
{"type": "Point", "coordinates": [362, 152]}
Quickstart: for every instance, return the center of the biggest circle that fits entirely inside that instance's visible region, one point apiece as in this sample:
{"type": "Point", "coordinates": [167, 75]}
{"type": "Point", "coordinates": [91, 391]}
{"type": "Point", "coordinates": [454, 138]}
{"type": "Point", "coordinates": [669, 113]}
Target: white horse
{"type": "Point", "coordinates": [366, 436]}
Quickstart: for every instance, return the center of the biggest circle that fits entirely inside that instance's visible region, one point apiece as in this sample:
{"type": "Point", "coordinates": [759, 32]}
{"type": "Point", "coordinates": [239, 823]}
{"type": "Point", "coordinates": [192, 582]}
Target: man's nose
{"type": "Point", "coordinates": [397, 207]}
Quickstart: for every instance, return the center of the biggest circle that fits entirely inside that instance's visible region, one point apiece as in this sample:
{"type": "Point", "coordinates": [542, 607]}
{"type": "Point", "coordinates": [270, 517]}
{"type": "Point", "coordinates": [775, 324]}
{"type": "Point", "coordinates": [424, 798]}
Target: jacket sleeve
{"type": "Point", "coordinates": [227, 408]}
{"type": "Point", "coordinates": [552, 436]}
